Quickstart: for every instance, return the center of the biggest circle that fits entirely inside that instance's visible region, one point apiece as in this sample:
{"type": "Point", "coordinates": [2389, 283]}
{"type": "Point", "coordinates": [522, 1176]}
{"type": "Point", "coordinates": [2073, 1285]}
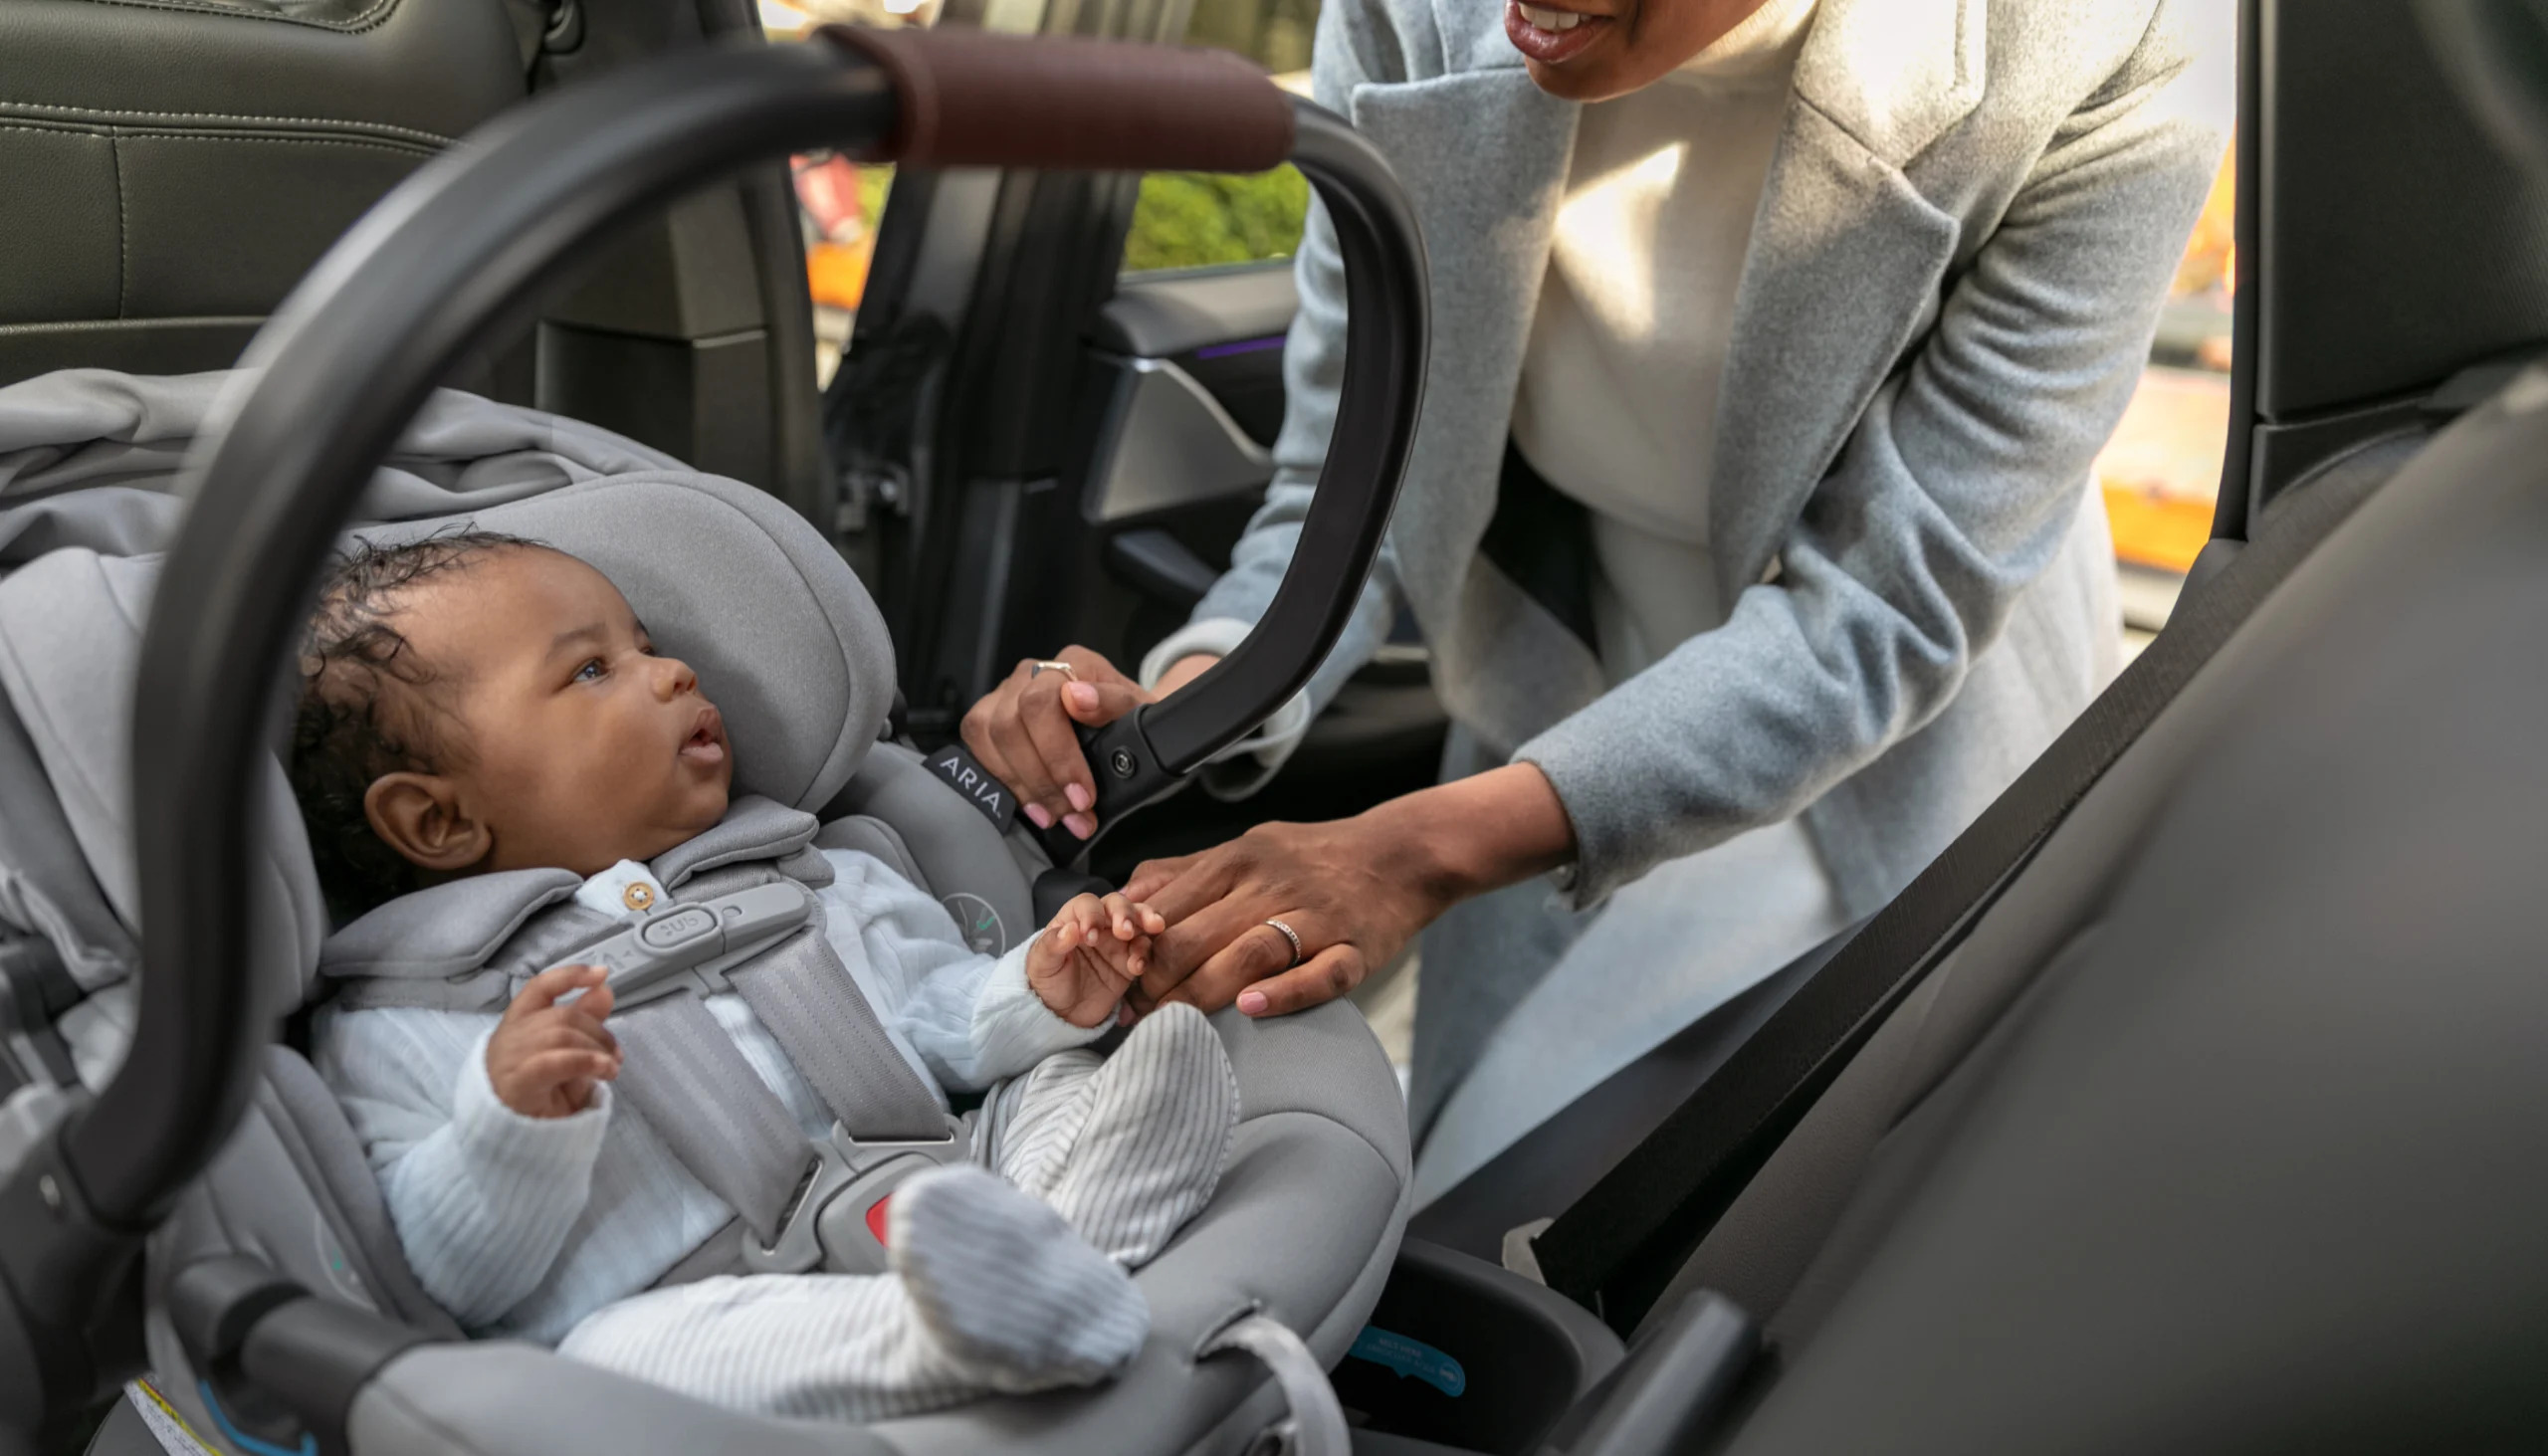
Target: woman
{"type": "Point", "coordinates": [1748, 524]}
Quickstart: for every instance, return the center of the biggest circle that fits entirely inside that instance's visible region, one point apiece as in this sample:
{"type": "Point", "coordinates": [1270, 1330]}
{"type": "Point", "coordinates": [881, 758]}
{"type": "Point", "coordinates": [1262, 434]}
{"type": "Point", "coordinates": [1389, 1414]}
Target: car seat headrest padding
{"type": "Point", "coordinates": [88, 458]}
{"type": "Point", "coordinates": [783, 635]}
{"type": "Point", "coordinates": [70, 643]}
{"type": "Point", "coordinates": [783, 638]}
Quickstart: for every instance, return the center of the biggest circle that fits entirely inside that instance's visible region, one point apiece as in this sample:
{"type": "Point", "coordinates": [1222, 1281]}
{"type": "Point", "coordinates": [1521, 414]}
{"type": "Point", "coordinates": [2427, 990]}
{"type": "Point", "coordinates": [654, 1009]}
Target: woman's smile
{"type": "Point", "coordinates": [1549, 34]}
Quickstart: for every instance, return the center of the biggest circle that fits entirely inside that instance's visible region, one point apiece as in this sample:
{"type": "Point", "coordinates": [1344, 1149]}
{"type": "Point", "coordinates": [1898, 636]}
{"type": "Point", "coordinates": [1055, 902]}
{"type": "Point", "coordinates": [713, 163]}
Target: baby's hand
{"type": "Point", "coordinates": [545, 1058]}
{"type": "Point", "coordinates": [1091, 952]}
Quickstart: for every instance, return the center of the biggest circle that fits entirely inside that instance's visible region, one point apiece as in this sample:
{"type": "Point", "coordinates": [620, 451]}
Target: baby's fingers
{"type": "Point", "coordinates": [1130, 917]}
{"type": "Point", "coordinates": [557, 1067]}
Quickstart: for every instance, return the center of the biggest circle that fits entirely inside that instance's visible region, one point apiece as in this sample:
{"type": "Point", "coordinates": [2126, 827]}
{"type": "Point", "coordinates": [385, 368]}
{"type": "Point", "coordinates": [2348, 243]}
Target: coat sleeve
{"type": "Point", "coordinates": [1950, 496]}
{"type": "Point", "coordinates": [1345, 55]}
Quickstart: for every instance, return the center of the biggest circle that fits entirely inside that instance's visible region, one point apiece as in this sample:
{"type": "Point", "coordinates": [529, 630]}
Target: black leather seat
{"type": "Point", "coordinates": [173, 168]}
{"type": "Point", "coordinates": [170, 168]}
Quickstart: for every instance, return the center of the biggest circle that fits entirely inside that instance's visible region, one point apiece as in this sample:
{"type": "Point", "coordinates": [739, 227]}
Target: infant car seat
{"type": "Point", "coordinates": [279, 1313]}
{"type": "Point", "coordinates": [786, 642]}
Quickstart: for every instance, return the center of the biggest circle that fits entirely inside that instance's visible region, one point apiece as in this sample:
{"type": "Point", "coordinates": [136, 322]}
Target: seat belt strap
{"type": "Point", "coordinates": [810, 1002]}
{"type": "Point", "coordinates": [1617, 1248]}
{"type": "Point", "coordinates": [690, 1082]}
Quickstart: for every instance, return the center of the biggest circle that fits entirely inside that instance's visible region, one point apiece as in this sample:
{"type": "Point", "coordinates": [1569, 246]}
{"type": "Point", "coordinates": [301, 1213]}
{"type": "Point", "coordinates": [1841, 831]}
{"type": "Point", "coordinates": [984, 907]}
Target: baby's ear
{"type": "Point", "coordinates": [419, 816]}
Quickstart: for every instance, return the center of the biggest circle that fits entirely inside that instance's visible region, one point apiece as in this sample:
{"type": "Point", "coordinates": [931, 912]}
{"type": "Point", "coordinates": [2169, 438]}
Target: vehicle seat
{"type": "Point", "coordinates": [2213, 1133]}
{"type": "Point", "coordinates": [187, 160]}
{"type": "Point", "coordinates": [1308, 1218]}
{"type": "Point", "coordinates": [175, 166]}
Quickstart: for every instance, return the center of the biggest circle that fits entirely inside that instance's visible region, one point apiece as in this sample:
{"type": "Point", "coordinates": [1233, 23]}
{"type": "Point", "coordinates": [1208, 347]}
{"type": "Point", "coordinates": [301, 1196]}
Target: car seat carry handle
{"type": "Point", "coordinates": [1151, 752]}
{"type": "Point", "coordinates": [423, 283]}
{"type": "Point", "coordinates": [974, 98]}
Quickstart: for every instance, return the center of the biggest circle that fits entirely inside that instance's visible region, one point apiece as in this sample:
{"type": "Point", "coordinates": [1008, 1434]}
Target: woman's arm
{"type": "Point", "coordinates": [1953, 493]}
{"type": "Point", "coordinates": [1355, 890]}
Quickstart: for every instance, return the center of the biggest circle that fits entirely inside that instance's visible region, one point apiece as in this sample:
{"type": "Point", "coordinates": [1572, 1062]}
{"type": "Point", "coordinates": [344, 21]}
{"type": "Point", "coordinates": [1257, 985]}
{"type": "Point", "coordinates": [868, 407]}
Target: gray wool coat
{"type": "Point", "coordinates": [1954, 272]}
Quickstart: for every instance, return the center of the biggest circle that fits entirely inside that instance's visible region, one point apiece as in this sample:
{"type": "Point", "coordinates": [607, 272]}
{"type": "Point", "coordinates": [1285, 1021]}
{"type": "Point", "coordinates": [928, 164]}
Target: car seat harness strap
{"type": "Point", "coordinates": [689, 1081]}
{"type": "Point", "coordinates": [686, 1077]}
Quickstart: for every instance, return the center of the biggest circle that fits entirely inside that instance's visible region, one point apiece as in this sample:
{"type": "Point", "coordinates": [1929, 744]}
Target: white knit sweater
{"type": "Point", "coordinates": [522, 1226]}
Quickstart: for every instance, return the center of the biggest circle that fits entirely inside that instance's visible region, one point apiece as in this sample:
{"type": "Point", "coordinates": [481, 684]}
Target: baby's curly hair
{"type": "Point", "coordinates": [351, 725]}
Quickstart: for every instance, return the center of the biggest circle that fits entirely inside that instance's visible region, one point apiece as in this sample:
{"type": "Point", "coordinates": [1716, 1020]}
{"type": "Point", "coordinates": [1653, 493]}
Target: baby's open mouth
{"type": "Point", "coordinates": [706, 740]}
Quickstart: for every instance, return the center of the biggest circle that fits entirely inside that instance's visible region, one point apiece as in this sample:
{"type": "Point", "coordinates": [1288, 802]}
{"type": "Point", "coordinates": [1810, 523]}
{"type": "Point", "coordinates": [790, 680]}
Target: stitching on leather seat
{"type": "Point", "coordinates": [362, 21]}
{"type": "Point", "coordinates": [110, 117]}
{"type": "Point", "coordinates": [357, 144]}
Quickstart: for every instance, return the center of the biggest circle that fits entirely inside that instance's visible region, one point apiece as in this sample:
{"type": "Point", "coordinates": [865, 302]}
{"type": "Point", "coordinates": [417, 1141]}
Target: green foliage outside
{"type": "Point", "coordinates": [875, 180]}
{"type": "Point", "coordinates": [1199, 219]}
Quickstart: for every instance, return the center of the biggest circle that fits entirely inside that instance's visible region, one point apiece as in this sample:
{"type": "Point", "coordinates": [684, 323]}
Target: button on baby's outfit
{"type": "Point", "coordinates": [625, 889]}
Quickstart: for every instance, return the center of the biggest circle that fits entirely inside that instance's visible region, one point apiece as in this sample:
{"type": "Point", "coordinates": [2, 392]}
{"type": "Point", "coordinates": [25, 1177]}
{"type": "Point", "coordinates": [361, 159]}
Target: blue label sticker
{"type": "Point", "coordinates": [1410, 1357]}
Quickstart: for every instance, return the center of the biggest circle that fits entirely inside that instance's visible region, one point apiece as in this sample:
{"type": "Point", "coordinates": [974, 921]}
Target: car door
{"type": "Point", "coordinates": [1052, 420]}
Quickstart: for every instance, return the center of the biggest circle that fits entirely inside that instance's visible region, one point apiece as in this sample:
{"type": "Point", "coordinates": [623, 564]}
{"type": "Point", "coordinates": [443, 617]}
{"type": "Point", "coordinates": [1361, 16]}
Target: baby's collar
{"type": "Point", "coordinates": [625, 889]}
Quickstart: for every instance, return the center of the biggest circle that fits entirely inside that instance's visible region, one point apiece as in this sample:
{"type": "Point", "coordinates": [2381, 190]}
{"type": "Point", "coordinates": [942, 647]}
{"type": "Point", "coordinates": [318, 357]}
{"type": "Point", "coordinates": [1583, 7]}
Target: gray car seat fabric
{"type": "Point", "coordinates": [1307, 1221]}
{"type": "Point", "coordinates": [1320, 1112]}
{"type": "Point", "coordinates": [2220, 1131]}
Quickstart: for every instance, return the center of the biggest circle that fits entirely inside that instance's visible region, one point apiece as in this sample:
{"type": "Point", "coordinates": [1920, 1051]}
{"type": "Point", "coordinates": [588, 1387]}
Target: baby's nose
{"type": "Point", "coordinates": [674, 677]}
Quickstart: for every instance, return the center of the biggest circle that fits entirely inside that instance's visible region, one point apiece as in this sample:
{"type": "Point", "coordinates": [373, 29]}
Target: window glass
{"type": "Point", "coordinates": [839, 201]}
{"type": "Point", "coordinates": [1207, 220]}
{"type": "Point", "coordinates": [2161, 472]}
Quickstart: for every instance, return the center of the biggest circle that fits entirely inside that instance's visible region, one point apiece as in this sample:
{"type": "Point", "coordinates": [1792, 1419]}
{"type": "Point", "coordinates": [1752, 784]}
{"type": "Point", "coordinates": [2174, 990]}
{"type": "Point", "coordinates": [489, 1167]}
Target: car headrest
{"type": "Point", "coordinates": [783, 638]}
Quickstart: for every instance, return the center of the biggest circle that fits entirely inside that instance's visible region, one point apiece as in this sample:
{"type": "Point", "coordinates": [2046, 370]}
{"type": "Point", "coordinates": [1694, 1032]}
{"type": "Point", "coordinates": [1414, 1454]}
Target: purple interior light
{"type": "Point", "coordinates": [1241, 346]}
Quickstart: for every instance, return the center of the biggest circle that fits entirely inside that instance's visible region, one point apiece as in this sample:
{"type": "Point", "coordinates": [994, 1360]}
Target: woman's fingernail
{"type": "Point", "coordinates": [1083, 695]}
{"type": "Point", "coordinates": [1252, 1003]}
{"type": "Point", "coordinates": [1079, 824]}
{"type": "Point", "coordinates": [1124, 1014]}
{"type": "Point", "coordinates": [1081, 799]}
{"type": "Point", "coordinates": [1039, 816]}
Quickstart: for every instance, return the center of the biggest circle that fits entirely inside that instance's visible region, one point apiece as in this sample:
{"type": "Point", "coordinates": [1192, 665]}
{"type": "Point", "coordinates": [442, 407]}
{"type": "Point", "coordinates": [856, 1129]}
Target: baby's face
{"type": "Point", "coordinates": [578, 745]}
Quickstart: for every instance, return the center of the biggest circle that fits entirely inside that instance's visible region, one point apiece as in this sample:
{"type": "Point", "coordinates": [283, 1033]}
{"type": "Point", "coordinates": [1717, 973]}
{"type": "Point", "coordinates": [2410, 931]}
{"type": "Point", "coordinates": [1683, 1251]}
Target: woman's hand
{"type": "Point", "coordinates": [1025, 731]}
{"type": "Point", "coordinates": [1355, 890]}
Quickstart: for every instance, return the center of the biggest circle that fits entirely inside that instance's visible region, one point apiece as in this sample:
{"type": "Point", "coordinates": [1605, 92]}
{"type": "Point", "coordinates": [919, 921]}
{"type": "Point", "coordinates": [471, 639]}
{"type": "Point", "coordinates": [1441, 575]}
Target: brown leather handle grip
{"type": "Point", "coordinates": [977, 98]}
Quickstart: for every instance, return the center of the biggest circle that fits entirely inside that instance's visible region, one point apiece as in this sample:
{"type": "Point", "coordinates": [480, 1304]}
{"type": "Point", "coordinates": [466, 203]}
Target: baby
{"type": "Point", "coordinates": [475, 703]}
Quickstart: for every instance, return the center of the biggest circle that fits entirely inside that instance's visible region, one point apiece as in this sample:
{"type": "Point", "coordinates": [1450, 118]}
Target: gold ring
{"type": "Point", "coordinates": [1293, 935]}
{"type": "Point", "coordinates": [1060, 667]}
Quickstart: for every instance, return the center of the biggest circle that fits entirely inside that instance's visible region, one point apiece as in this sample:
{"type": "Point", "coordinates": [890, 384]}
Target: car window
{"type": "Point", "coordinates": [1208, 220]}
{"type": "Point", "coordinates": [2161, 472]}
{"type": "Point", "coordinates": [839, 201]}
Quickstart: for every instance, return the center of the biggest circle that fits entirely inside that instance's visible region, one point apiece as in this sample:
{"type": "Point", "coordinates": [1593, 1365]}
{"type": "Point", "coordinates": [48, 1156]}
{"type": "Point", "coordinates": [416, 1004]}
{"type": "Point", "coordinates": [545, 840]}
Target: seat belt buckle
{"type": "Point", "coordinates": [835, 1222]}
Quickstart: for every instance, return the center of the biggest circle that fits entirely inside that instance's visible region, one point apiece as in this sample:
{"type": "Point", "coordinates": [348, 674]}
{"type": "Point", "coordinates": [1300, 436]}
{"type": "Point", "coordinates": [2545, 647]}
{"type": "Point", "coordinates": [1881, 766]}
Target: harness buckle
{"type": "Point", "coordinates": [829, 1224]}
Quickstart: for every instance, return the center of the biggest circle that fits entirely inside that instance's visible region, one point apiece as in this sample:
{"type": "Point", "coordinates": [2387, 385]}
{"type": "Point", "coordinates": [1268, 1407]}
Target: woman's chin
{"type": "Point", "coordinates": [1591, 77]}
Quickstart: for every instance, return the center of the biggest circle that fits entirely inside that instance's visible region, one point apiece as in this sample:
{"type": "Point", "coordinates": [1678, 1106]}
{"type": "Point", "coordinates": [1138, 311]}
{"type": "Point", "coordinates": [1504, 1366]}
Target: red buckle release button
{"type": "Point", "coordinates": [876, 1217]}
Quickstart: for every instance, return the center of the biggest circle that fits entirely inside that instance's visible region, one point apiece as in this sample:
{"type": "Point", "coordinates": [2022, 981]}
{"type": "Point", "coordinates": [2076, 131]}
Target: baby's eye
{"type": "Point", "coordinates": [591, 672]}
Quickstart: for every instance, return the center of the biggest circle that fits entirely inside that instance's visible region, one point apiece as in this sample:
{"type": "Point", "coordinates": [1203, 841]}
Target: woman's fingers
{"type": "Point", "coordinates": [1330, 973]}
{"type": "Point", "coordinates": [1251, 954]}
{"type": "Point", "coordinates": [1151, 876]}
{"type": "Point", "coordinates": [1022, 757]}
{"type": "Point", "coordinates": [1055, 743]}
{"type": "Point", "coordinates": [1099, 704]}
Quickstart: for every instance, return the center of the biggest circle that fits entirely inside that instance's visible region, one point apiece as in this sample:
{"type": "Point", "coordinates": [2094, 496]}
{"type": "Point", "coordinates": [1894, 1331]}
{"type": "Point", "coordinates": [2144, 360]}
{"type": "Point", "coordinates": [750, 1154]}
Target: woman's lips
{"type": "Point", "coordinates": [1550, 36]}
